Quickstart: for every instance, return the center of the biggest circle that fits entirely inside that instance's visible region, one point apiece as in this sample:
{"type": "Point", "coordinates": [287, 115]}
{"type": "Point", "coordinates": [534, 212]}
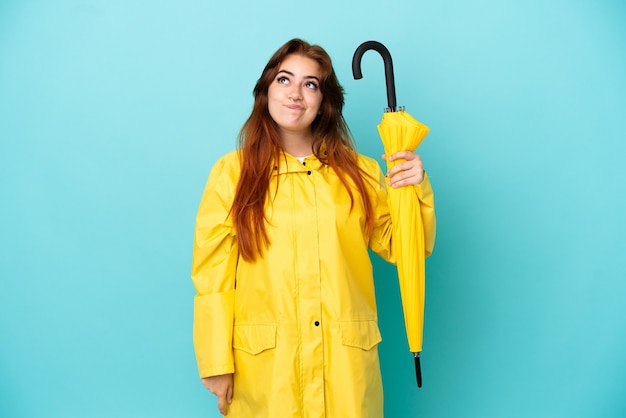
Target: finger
{"type": "Point", "coordinates": [407, 181]}
{"type": "Point", "coordinates": [221, 404]}
{"type": "Point", "coordinates": [229, 394]}
{"type": "Point", "coordinates": [397, 181]}
{"type": "Point", "coordinates": [403, 155]}
{"type": "Point", "coordinates": [384, 157]}
{"type": "Point", "coordinates": [402, 183]}
{"type": "Point", "coordinates": [411, 167]}
{"type": "Point", "coordinates": [406, 178]}
{"type": "Point", "coordinates": [398, 168]}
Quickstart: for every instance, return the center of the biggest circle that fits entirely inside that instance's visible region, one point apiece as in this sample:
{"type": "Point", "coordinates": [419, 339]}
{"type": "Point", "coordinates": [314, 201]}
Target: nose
{"type": "Point", "coordinates": [295, 94]}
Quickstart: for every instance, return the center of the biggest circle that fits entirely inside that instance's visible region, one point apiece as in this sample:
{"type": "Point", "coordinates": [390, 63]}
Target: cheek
{"type": "Point", "coordinates": [316, 103]}
{"type": "Point", "coordinates": [271, 93]}
{"type": "Point", "coordinates": [271, 102]}
{"type": "Point", "coordinates": [271, 108]}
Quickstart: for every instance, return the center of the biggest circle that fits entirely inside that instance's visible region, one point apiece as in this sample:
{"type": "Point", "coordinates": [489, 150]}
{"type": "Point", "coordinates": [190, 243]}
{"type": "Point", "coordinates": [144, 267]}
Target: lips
{"type": "Point", "coordinates": [294, 107]}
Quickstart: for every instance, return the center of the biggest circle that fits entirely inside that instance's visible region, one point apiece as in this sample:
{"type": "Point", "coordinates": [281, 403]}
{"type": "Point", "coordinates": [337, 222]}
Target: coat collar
{"type": "Point", "coordinates": [287, 163]}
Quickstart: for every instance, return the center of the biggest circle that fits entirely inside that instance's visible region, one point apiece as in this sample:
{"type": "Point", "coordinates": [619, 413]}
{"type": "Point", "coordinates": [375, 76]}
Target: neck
{"type": "Point", "coordinates": [297, 144]}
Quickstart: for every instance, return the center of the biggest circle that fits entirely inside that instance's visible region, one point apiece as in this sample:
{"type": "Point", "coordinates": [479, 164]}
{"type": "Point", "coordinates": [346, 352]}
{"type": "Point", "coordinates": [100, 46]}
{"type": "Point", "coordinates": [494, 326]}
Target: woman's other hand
{"type": "Point", "coordinates": [409, 172]}
{"type": "Point", "coordinates": [222, 387]}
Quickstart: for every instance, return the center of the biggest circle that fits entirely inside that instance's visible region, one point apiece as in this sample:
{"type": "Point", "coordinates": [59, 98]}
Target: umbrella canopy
{"type": "Point", "coordinates": [399, 131]}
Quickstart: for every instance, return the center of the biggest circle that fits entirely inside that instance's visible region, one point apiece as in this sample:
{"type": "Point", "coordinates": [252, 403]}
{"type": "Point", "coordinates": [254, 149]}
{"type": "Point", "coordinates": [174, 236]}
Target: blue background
{"type": "Point", "coordinates": [112, 113]}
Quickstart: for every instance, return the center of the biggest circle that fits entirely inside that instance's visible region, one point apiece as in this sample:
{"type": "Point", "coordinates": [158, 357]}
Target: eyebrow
{"type": "Point", "coordinates": [293, 75]}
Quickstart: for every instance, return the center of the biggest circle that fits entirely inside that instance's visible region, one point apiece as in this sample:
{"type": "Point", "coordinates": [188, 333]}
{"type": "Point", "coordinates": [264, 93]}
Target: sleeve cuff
{"type": "Point", "coordinates": [213, 333]}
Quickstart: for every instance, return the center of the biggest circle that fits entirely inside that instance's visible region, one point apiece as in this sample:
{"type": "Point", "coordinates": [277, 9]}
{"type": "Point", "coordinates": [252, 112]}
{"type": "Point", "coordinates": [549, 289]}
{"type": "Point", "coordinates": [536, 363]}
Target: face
{"type": "Point", "coordinates": [294, 96]}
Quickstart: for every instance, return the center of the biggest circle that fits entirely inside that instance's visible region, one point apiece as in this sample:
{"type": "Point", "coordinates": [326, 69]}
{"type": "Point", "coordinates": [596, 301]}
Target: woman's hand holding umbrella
{"type": "Point", "coordinates": [409, 172]}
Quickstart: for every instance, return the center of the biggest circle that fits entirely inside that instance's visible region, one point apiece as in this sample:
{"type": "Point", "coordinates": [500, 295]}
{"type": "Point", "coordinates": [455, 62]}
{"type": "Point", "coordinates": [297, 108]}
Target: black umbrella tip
{"type": "Point", "coordinates": [418, 370]}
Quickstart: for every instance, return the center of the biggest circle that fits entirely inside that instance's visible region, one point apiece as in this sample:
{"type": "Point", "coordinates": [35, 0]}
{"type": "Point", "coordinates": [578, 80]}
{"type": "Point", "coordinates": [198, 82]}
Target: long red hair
{"type": "Point", "coordinates": [260, 149]}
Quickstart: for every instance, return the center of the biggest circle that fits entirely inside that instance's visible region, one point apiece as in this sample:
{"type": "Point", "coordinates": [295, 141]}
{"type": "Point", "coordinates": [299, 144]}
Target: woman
{"type": "Point", "coordinates": [285, 321]}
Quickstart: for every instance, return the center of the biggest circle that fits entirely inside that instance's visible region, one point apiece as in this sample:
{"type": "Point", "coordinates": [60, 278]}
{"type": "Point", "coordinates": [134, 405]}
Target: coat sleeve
{"type": "Point", "coordinates": [426, 197]}
{"type": "Point", "coordinates": [381, 241]}
{"type": "Point", "coordinates": [213, 273]}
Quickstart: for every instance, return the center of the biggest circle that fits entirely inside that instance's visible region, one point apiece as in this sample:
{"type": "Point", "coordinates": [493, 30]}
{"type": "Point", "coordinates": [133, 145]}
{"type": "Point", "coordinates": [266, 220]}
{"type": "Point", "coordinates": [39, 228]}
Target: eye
{"type": "Point", "coordinates": [282, 80]}
{"type": "Point", "coordinates": [311, 85]}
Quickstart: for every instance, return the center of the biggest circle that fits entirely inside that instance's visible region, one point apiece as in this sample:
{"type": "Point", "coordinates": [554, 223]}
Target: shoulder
{"type": "Point", "coordinates": [369, 165]}
{"type": "Point", "coordinates": [227, 163]}
{"type": "Point", "coordinates": [373, 174]}
{"type": "Point", "coordinates": [225, 172]}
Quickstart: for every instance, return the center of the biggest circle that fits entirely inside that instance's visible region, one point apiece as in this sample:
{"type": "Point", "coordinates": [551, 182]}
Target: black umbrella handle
{"type": "Point", "coordinates": [384, 52]}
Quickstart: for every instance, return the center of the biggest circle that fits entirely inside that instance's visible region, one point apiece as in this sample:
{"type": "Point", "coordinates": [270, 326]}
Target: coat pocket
{"type": "Point", "coordinates": [254, 339]}
{"type": "Point", "coordinates": [361, 334]}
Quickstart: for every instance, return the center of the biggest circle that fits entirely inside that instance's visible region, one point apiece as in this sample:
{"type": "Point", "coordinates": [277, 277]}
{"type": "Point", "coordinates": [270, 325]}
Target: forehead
{"type": "Point", "coordinates": [300, 65]}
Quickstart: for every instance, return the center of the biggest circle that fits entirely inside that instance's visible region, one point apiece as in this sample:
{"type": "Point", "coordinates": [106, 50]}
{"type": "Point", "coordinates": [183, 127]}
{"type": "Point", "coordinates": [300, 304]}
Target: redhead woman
{"type": "Point", "coordinates": [285, 320]}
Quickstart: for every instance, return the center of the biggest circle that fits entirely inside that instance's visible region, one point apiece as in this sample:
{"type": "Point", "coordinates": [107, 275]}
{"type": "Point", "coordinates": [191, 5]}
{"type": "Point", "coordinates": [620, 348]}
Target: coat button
{"type": "Point", "coordinates": [309, 173]}
{"type": "Point", "coordinates": [317, 323]}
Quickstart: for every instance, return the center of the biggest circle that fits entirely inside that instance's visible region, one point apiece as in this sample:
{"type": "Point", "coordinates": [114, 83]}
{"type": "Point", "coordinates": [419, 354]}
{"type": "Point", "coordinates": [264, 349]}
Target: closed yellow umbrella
{"type": "Point", "coordinates": [399, 131]}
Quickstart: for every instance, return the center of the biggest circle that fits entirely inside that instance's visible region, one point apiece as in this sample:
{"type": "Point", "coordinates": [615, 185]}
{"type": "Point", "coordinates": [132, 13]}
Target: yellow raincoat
{"type": "Point", "coordinates": [298, 327]}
